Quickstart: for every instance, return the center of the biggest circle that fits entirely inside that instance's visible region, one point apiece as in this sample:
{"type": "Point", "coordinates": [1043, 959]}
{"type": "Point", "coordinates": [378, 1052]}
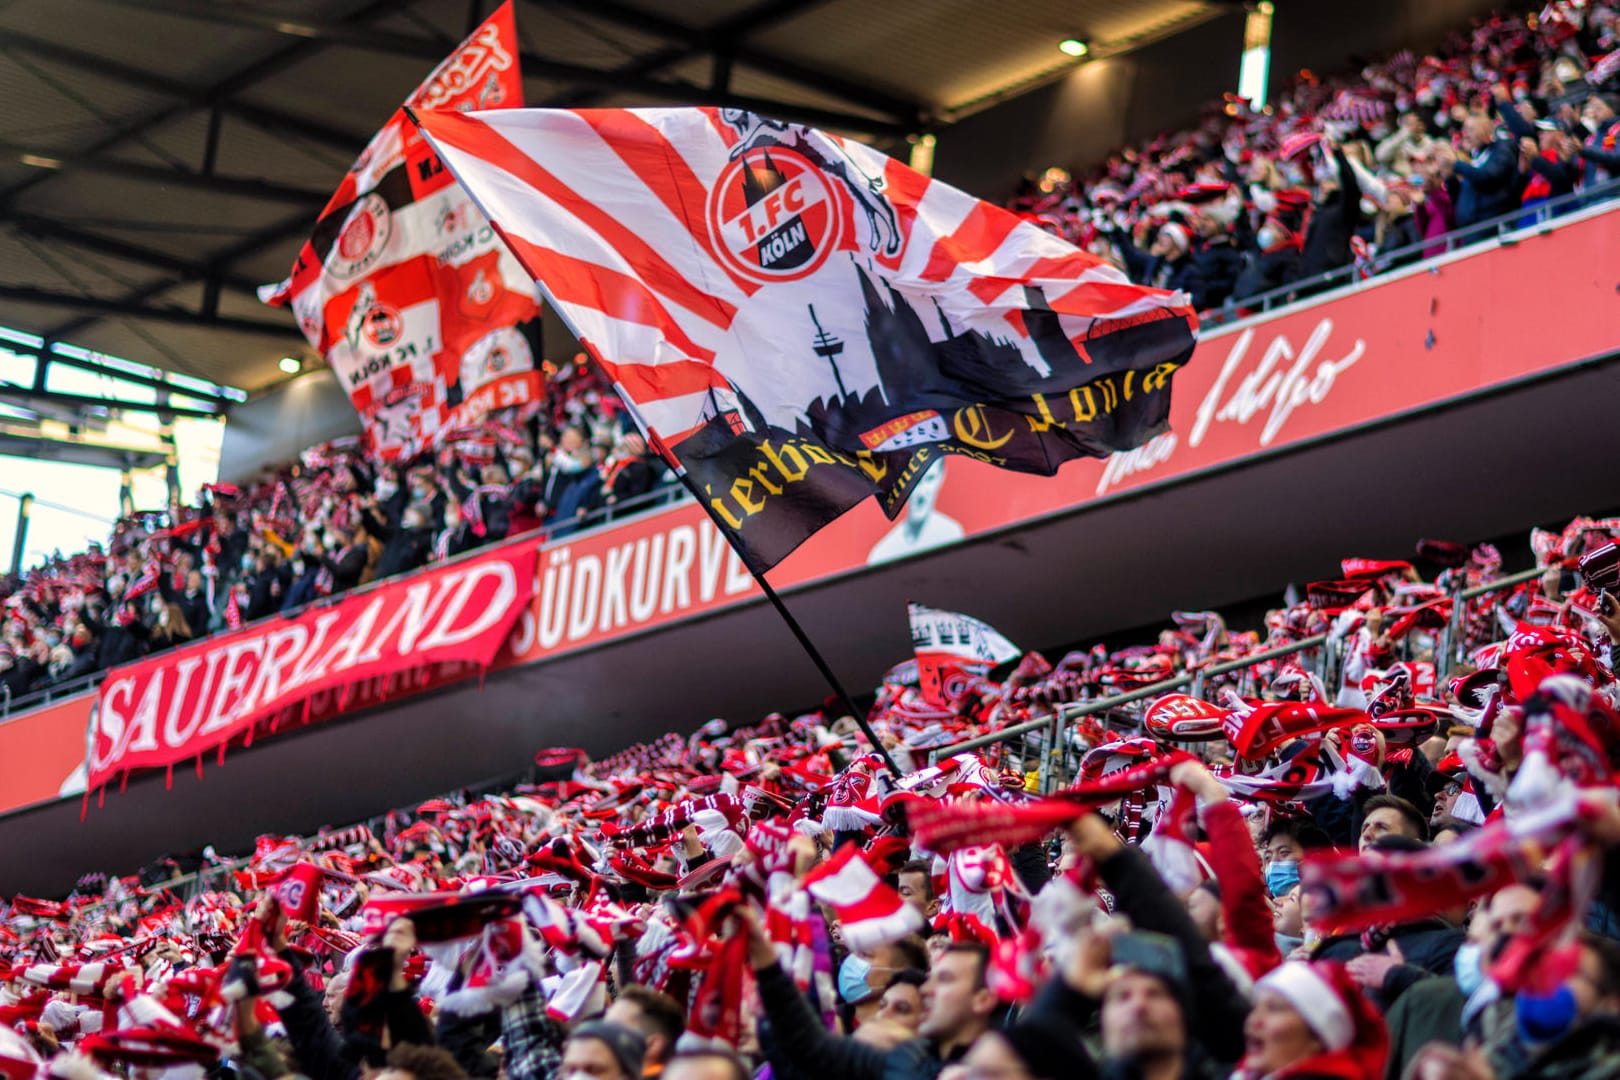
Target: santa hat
{"type": "Point", "coordinates": [1328, 1000]}
{"type": "Point", "coordinates": [872, 913]}
{"type": "Point", "coordinates": [1178, 234]}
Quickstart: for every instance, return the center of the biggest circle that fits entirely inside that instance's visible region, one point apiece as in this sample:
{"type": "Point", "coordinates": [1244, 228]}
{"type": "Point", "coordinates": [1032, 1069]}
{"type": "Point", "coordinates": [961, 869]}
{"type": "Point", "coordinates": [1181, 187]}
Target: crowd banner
{"type": "Point", "coordinates": [404, 288]}
{"type": "Point", "coordinates": [798, 322]}
{"type": "Point", "coordinates": [176, 707]}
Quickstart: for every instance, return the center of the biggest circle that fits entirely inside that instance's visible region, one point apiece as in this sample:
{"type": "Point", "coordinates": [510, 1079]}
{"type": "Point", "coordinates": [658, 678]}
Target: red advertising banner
{"type": "Point", "coordinates": [1392, 346]}
{"type": "Point", "coordinates": [176, 706]}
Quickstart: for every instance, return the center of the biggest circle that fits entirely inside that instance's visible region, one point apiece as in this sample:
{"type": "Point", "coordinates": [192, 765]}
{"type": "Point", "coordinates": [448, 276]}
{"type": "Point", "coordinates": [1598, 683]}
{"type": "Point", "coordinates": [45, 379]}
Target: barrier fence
{"type": "Point", "coordinates": [1049, 741]}
{"type": "Point", "coordinates": [662, 495]}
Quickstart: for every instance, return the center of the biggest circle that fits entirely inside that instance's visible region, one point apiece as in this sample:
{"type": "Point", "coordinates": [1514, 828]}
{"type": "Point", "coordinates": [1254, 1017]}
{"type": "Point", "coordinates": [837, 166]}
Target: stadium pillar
{"type": "Point", "coordinates": [922, 153]}
{"type": "Point", "coordinates": [126, 492]}
{"type": "Point", "coordinates": [25, 504]}
{"type": "Point", "coordinates": [1255, 68]}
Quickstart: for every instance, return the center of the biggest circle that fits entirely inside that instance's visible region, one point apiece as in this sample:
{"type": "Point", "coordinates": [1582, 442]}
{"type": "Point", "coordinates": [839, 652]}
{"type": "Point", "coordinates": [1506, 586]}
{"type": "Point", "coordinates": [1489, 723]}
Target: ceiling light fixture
{"type": "Point", "coordinates": [1073, 47]}
{"type": "Point", "coordinates": [291, 365]}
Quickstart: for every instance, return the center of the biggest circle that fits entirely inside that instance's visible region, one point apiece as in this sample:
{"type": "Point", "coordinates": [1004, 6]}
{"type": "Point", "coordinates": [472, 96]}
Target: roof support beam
{"type": "Point", "coordinates": [288, 228]}
{"type": "Point", "coordinates": [735, 28]}
{"type": "Point", "coordinates": [42, 228]}
{"type": "Point", "coordinates": [233, 84]}
{"type": "Point", "coordinates": [721, 41]}
{"type": "Point", "coordinates": [45, 356]}
{"type": "Point", "coordinates": [267, 190]}
{"type": "Point", "coordinates": [27, 294]}
{"type": "Point", "coordinates": [50, 397]}
{"type": "Point", "coordinates": [312, 128]}
{"type": "Point", "coordinates": [534, 66]}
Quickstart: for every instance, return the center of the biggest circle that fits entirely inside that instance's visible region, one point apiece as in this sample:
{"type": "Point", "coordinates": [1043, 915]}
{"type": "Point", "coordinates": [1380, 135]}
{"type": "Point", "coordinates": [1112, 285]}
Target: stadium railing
{"type": "Point", "coordinates": [1047, 740]}
{"type": "Point", "coordinates": [1505, 229]}
{"type": "Point", "coordinates": [662, 495]}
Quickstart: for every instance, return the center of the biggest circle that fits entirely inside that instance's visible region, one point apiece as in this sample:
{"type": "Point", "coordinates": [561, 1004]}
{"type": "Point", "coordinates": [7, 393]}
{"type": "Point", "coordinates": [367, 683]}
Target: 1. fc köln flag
{"type": "Point", "coordinates": [404, 287]}
{"type": "Point", "coordinates": [800, 321]}
{"type": "Point", "coordinates": [952, 649]}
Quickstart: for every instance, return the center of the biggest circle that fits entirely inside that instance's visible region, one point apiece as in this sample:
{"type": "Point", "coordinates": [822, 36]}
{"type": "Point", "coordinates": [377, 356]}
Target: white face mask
{"type": "Point", "coordinates": [1267, 237]}
{"type": "Point", "coordinates": [386, 489]}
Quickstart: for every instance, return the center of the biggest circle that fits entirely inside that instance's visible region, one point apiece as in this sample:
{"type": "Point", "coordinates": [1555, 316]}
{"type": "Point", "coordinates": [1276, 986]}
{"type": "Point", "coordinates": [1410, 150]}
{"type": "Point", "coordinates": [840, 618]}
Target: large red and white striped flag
{"type": "Point", "coordinates": [801, 321]}
{"type": "Point", "coordinates": [403, 287]}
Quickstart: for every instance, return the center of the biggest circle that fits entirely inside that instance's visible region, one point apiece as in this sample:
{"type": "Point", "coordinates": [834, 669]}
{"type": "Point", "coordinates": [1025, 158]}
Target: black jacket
{"type": "Point", "coordinates": [1488, 185]}
{"type": "Point", "coordinates": [323, 1052]}
{"type": "Point", "coordinates": [1429, 946]}
{"type": "Point", "coordinates": [346, 567]}
{"type": "Point", "coordinates": [19, 678]}
{"type": "Point", "coordinates": [1333, 222]}
{"type": "Point", "coordinates": [1216, 1021]}
{"type": "Point", "coordinates": [403, 549]}
{"type": "Point", "coordinates": [1154, 271]}
{"type": "Point", "coordinates": [121, 644]}
{"type": "Point", "coordinates": [808, 1049]}
{"type": "Point", "coordinates": [1216, 264]}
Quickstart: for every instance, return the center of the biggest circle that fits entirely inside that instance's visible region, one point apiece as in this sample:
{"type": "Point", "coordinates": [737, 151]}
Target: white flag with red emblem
{"type": "Point", "coordinates": [404, 287]}
{"type": "Point", "coordinates": [953, 649]}
{"type": "Point", "coordinates": [800, 322]}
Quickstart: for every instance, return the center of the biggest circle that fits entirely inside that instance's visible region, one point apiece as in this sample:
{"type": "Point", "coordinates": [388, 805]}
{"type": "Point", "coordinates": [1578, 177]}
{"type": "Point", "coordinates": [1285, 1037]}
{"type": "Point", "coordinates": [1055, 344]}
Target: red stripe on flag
{"type": "Point", "coordinates": [655, 382]}
{"type": "Point", "coordinates": [1060, 267]}
{"type": "Point", "coordinates": [904, 187]}
{"type": "Point", "coordinates": [667, 175]}
{"type": "Point", "coordinates": [1089, 299]}
{"type": "Point", "coordinates": [1102, 299]}
{"type": "Point", "coordinates": [591, 285]}
{"type": "Point", "coordinates": [727, 136]}
{"type": "Point", "coordinates": [980, 233]}
{"type": "Point", "coordinates": [477, 138]}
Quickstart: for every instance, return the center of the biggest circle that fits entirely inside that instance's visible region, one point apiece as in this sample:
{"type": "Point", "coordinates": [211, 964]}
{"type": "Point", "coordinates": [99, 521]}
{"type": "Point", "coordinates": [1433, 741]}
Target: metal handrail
{"type": "Point", "coordinates": [1240, 307]}
{"type": "Point", "coordinates": [662, 495]}
{"type": "Point", "coordinates": [1074, 710]}
{"type": "Point", "coordinates": [1449, 647]}
{"type": "Point", "coordinates": [229, 866]}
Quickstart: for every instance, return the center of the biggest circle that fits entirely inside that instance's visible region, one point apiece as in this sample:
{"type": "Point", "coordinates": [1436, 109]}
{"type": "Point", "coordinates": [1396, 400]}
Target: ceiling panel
{"type": "Point", "coordinates": [817, 55]}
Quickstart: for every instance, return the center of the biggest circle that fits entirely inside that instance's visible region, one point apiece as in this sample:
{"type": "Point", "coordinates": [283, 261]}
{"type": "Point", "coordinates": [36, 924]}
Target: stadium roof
{"type": "Point", "coordinates": [161, 158]}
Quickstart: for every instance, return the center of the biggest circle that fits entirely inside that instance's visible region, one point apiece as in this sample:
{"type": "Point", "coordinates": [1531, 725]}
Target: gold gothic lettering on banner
{"type": "Point", "coordinates": [779, 464]}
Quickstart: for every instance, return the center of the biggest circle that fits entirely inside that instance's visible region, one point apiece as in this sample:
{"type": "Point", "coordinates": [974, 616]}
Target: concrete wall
{"type": "Point", "coordinates": [1077, 121]}
{"type": "Point", "coordinates": [274, 426]}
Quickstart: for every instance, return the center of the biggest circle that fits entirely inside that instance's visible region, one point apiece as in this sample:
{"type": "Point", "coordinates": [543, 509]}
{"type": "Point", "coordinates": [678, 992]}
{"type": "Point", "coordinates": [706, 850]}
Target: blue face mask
{"type": "Point", "coordinates": [852, 975]}
{"type": "Point", "coordinates": [1468, 968]}
{"type": "Point", "coordinates": [1282, 875]}
{"type": "Point", "coordinates": [1286, 944]}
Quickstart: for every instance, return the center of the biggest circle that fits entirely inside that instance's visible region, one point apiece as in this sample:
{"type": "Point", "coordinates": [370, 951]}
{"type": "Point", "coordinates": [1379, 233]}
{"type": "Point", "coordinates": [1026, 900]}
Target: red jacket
{"type": "Point", "coordinates": [1245, 903]}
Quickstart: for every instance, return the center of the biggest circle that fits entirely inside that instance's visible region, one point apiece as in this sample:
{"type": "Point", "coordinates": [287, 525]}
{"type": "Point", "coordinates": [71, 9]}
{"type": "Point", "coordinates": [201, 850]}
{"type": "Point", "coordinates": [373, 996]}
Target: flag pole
{"type": "Point", "coordinates": [669, 458]}
{"type": "Point", "coordinates": [803, 638]}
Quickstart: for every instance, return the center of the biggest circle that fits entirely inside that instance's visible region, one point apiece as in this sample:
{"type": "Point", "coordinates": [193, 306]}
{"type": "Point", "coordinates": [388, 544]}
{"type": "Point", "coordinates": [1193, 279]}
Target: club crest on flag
{"type": "Point", "coordinates": [379, 325]}
{"type": "Point", "coordinates": [773, 215]}
{"type": "Point", "coordinates": [363, 239]}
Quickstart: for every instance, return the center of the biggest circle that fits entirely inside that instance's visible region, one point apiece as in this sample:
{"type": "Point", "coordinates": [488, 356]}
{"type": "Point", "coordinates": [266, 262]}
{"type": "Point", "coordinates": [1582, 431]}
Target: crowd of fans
{"type": "Point", "coordinates": [1340, 170]}
{"type": "Point", "coordinates": [330, 522]}
{"type": "Point", "coordinates": [1399, 873]}
{"type": "Point", "coordinates": [1361, 168]}
{"type": "Point", "coordinates": [1398, 860]}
